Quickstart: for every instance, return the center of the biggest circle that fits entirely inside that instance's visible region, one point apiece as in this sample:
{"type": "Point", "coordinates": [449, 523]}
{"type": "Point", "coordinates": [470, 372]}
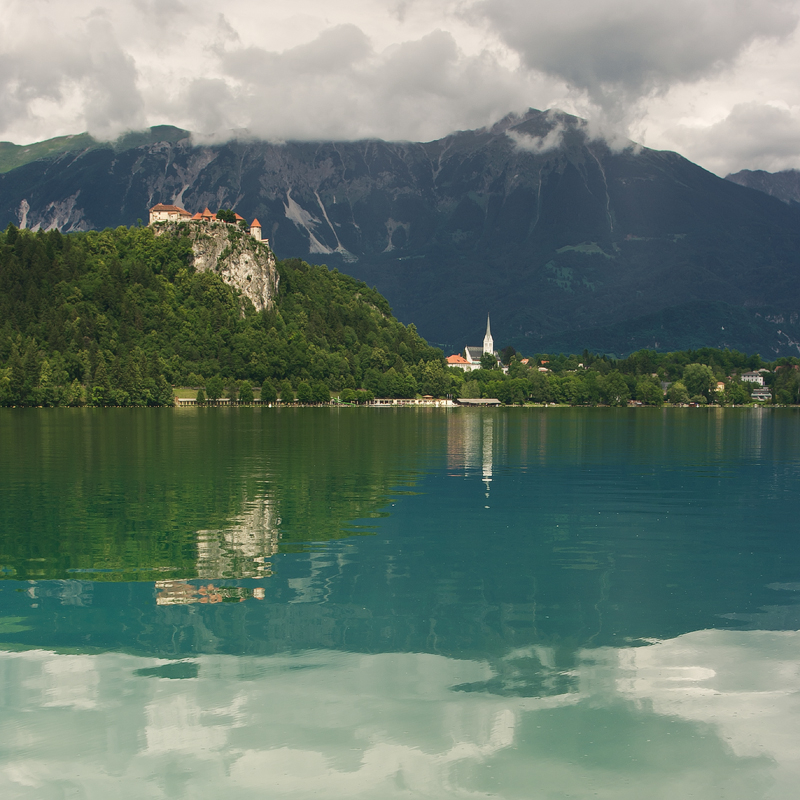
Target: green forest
{"type": "Point", "coordinates": [120, 317]}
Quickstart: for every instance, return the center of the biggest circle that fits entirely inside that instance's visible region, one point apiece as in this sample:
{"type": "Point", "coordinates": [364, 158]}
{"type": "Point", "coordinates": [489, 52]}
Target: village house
{"type": "Point", "coordinates": [753, 377]}
{"type": "Point", "coordinates": [169, 213]}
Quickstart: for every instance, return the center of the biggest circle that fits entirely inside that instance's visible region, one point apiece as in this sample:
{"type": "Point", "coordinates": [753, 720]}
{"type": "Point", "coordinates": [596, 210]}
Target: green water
{"type": "Point", "coordinates": [363, 603]}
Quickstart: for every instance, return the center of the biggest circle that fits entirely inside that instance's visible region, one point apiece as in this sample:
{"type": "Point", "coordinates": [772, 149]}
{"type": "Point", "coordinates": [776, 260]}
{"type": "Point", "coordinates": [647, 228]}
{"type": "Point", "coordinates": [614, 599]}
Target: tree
{"type": "Point", "coordinates": [736, 393]}
{"type": "Point", "coordinates": [698, 380]}
{"type": "Point", "coordinates": [201, 396]}
{"type": "Point", "coordinates": [226, 215]}
{"type": "Point", "coordinates": [246, 392]}
{"type": "Point", "coordinates": [214, 388]}
{"type": "Point", "coordinates": [471, 389]}
{"type": "Point", "coordinates": [287, 393]}
{"type": "Point", "coordinates": [74, 395]}
{"type": "Point", "coordinates": [488, 361]}
{"type": "Point", "coordinates": [164, 393]}
{"type": "Point", "coordinates": [615, 389]}
{"type": "Point", "coordinates": [269, 394]}
{"type": "Point", "coordinates": [233, 391]}
{"type": "Point", "coordinates": [648, 390]}
{"type": "Point", "coordinates": [432, 379]}
{"type": "Point", "coordinates": [506, 354]}
{"type": "Point", "coordinates": [101, 389]}
{"type": "Point", "coordinates": [347, 396]}
{"type": "Point", "coordinates": [304, 392]}
{"type": "Point", "coordinates": [677, 393]}
{"type": "Point", "coordinates": [320, 392]}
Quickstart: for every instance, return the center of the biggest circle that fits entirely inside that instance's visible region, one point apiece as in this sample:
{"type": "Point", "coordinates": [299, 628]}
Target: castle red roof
{"type": "Point", "coordinates": [163, 207]}
{"type": "Point", "coordinates": [255, 224]}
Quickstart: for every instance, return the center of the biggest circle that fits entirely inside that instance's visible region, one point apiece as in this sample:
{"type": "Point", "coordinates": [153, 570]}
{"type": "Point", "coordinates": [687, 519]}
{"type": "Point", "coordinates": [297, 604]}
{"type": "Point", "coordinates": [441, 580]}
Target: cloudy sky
{"type": "Point", "coordinates": [715, 80]}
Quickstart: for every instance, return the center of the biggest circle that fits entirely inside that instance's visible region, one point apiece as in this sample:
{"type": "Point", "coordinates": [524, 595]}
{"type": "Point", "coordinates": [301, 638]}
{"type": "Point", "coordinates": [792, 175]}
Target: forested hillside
{"type": "Point", "coordinates": [119, 316]}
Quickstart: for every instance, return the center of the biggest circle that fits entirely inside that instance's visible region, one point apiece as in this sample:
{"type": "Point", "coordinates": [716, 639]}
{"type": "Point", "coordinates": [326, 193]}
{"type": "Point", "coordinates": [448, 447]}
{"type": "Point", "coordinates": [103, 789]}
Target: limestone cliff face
{"type": "Point", "coordinates": [242, 262]}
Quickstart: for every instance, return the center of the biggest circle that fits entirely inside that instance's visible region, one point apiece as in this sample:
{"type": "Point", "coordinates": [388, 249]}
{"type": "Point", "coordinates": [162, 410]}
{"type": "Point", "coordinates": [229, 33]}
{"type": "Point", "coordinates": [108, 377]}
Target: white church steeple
{"type": "Point", "coordinates": [488, 342]}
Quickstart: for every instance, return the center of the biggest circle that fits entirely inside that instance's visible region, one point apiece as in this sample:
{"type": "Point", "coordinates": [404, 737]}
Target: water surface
{"type": "Point", "coordinates": [521, 603]}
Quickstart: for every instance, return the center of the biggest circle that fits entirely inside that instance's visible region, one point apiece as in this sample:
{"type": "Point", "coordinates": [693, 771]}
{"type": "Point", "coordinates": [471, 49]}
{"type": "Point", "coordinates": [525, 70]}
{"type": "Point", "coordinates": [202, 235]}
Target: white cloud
{"type": "Point", "coordinates": [665, 73]}
{"type": "Point", "coordinates": [539, 144]}
{"type": "Point", "coordinates": [759, 135]}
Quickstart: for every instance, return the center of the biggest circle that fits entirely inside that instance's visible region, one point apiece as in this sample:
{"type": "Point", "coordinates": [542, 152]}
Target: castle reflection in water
{"type": "Point", "coordinates": [240, 551]}
{"type": "Point", "coordinates": [475, 438]}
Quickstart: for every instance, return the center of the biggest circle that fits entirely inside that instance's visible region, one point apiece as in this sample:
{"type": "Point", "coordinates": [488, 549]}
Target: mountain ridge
{"type": "Point", "coordinates": [784, 185]}
{"type": "Point", "coordinates": [555, 233]}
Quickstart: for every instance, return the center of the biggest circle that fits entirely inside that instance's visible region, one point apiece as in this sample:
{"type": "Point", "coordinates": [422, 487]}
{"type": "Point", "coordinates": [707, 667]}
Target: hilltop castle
{"type": "Point", "coordinates": [167, 213]}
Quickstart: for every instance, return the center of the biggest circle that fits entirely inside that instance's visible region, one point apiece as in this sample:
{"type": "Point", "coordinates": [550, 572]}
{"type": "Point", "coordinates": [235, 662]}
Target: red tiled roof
{"type": "Point", "coordinates": [207, 213]}
{"type": "Point", "coordinates": [456, 359]}
{"type": "Point", "coordinates": [239, 219]}
{"type": "Point", "coordinates": [198, 215]}
{"type": "Point", "coordinates": [255, 224]}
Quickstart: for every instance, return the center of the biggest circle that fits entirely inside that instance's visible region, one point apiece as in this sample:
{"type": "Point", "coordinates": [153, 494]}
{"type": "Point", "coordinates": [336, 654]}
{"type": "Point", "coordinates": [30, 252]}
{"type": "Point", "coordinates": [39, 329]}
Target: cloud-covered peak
{"type": "Point", "coordinates": [674, 75]}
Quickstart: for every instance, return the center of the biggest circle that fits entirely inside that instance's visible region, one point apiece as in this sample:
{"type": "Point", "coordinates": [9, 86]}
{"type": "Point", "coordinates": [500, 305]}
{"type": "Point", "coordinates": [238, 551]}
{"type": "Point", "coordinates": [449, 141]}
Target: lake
{"type": "Point", "coordinates": [391, 603]}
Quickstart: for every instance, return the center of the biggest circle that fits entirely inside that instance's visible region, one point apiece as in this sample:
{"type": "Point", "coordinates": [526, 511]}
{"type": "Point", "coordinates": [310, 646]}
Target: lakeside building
{"type": "Point", "coordinates": [471, 360]}
{"type": "Point", "coordinates": [753, 377]}
{"type": "Point", "coordinates": [162, 212]}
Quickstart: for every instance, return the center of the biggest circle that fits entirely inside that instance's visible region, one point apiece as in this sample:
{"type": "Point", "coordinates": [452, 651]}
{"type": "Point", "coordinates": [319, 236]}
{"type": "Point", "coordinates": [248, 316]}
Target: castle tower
{"type": "Point", "coordinates": [255, 230]}
{"type": "Point", "coordinates": [488, 342]}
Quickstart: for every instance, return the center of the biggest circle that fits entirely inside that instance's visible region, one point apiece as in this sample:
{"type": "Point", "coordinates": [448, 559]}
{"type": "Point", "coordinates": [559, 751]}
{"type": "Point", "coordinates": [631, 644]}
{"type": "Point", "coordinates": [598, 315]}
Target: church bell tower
{"type": "Point", "coordinates": [488, 342]}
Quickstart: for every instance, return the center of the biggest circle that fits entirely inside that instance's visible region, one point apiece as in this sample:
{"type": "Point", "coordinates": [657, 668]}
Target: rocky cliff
{"type": "Point", "coordinates": [242, 262]}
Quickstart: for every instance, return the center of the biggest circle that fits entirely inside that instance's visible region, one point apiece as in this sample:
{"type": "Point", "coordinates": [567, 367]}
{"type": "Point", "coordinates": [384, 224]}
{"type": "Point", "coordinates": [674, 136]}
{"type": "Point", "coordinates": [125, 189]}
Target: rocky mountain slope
{"type": "Point", "coordinates": [566, 242]}
{"type": "Point", "coordinates": [784, 185]}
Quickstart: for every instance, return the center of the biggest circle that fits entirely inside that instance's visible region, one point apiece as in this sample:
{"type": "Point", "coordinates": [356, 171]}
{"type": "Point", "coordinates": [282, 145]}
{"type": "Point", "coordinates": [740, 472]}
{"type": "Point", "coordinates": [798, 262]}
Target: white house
{"type": "Point", "coordinates": [753, 377]}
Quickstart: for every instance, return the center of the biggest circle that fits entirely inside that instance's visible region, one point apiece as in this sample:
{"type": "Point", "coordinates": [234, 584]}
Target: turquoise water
{"type": "Point", "coordinates": [523, 603]}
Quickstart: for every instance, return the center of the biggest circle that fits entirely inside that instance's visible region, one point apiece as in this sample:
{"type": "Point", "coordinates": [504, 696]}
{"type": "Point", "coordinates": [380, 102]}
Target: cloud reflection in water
{"type": "Point", "coordinates": [710, 712]}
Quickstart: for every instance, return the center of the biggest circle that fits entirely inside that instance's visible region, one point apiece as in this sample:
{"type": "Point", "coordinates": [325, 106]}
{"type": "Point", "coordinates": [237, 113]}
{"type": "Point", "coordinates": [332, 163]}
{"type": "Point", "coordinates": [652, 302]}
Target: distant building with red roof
{"type": "Point", "coordinates": [170, 213]}
{"type": "Point", "coordinates": [457, 361]}
{"type": "Point", "coordinates": [164, 213]}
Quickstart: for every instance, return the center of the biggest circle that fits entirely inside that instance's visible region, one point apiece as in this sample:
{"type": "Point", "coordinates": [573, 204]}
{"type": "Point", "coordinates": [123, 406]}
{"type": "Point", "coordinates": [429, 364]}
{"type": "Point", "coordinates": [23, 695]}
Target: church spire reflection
{"type": "Point", "coordinates": [470, 444]}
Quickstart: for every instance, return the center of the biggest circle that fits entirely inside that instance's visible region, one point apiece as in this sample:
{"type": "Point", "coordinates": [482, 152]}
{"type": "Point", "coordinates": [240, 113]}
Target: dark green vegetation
{"type": "Point", "coordinates": [117, 317]}
{"type": "Point", "coordinates": [579, 246]}
{"type": "Point", "coordinates": [651, 378]}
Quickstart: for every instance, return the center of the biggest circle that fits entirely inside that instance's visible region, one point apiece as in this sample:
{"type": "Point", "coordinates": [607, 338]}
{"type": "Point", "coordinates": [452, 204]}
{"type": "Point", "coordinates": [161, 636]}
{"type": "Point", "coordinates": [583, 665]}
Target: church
{"type": "Point", "coordinates": [471, 359]}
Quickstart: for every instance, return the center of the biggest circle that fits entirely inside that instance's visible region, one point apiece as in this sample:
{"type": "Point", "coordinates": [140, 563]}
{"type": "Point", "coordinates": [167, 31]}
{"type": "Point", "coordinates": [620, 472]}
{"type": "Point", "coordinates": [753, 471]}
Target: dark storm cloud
{"type": "Point", "coordinates": [337, 86]}
{"type": "Point", "coordinates": [620, 50]}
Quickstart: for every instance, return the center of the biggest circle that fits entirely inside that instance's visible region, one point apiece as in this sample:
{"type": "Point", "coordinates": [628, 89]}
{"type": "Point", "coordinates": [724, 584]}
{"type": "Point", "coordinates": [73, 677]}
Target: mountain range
{"type": "Point", "coordinates": [785, 185]}
{"type": "Point", "coordinates": [568, 242]}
